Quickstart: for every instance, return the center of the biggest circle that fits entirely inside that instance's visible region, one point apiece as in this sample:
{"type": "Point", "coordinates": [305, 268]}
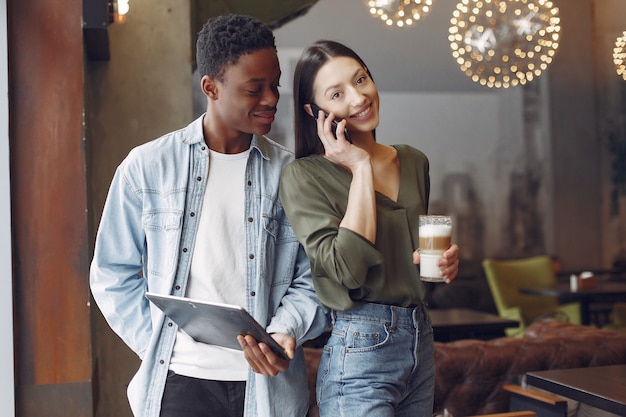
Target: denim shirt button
{"type": "Point", "coordinates": [250, 219]}
{"type": "Point", "coordinates": [251, 256]}
{"type": "Point", "coordinates": [192, 214]}
{"type": "Point", "coordinates": [252, 294]}
{"type": "Point", "coordinates": [177, 287]}
{"type": "Point", "coordinates": [185, 250]}
{"type": "Point", "coordinates": [249, 183]}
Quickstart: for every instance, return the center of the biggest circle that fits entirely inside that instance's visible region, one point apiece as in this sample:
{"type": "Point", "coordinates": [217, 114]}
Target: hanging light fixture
{"type": "Point", "coordinates": [399, 13]}
{"type": "Point", "coordinates": [118, 9]}
{"type": "Point", "coordinates": [619, 55]}
{"type": "Point", "coordinates": [503, 43]}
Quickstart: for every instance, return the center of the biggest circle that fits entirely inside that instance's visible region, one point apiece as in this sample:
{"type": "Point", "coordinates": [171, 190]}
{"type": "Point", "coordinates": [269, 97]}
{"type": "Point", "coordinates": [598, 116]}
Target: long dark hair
{"type": "Point", "coordinates": [313, 57]}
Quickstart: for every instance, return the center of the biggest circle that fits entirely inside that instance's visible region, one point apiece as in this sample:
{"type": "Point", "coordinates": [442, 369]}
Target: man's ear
{"type": "Point", "coordinates": [209, 87]}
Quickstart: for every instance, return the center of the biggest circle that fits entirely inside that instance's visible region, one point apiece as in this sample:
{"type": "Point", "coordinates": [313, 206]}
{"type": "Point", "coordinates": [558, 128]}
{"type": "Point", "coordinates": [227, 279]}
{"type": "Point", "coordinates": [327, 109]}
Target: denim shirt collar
{"type": "Point", "coordinates": [195, 134]}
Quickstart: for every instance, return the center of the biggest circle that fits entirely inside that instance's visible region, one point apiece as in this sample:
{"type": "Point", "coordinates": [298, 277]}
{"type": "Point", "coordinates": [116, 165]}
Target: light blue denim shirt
{"type": "Point", "coordinates": [145, 242]}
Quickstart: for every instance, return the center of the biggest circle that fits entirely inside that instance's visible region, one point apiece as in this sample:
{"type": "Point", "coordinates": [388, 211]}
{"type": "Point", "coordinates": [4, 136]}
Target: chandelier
{"type": "Point", "coordinates": [619, 55]}
{"type": "Point", "coordinates": [400, 13]}
{"type": "Point", "coordinates": [503, 43]}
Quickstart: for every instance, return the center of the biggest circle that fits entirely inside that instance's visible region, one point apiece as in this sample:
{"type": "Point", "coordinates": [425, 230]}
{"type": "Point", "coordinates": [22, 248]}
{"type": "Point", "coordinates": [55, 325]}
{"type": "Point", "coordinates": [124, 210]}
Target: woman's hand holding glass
{"type": "Point", "coordinates": [448, 264]}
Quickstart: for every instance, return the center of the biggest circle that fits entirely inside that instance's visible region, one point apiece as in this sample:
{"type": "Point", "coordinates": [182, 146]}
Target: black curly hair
{"type": "Point", "coordinates": [223, 39]}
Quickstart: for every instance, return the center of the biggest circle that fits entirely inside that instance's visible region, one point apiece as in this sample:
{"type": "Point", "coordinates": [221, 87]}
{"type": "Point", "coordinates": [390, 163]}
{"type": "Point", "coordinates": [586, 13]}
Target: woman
{"type": "Point", "coordinates": [355, 207]}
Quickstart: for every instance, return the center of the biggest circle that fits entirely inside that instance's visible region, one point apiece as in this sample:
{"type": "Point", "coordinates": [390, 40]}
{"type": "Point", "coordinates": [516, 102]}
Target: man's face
{"type": "Point", "coordinates": [248, 95]}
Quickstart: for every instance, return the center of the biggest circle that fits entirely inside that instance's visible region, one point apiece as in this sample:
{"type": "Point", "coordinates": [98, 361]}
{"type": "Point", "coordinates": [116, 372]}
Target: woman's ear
{"type": "Point", "coordinates": [307, 108]}
{"type": "Point", "coordinates": [209, 87]}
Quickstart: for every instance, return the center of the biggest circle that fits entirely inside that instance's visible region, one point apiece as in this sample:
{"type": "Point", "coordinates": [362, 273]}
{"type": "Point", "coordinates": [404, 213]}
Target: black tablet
{"type": "Point", "coordinates": [214, 323]}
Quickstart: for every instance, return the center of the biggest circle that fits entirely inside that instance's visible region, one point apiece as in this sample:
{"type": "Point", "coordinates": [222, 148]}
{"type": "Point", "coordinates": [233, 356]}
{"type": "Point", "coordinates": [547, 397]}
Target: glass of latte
{"type": "Point", "coordinates": [435, 235]}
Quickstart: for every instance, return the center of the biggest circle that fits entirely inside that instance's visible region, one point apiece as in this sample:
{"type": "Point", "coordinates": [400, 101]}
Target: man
{"type": "Point", "coordinates": [196, 213]}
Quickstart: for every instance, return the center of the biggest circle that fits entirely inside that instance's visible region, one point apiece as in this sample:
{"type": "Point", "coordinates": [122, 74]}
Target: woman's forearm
{"type": "Point", "coordinates": [360, 214]}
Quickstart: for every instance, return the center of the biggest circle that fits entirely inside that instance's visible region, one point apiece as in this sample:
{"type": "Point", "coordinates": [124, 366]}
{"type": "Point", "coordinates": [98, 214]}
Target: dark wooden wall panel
{"type": "Point", "coordinates": [51, 295]}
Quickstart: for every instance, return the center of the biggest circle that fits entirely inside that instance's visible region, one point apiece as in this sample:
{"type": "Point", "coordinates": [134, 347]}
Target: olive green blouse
{"type": "Point", "coordinates": [347, 269]}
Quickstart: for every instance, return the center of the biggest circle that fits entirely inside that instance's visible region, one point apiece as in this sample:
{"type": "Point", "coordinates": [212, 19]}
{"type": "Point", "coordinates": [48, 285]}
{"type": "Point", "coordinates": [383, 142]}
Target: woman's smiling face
{"type": "Point", "coordinates": [343, 87]}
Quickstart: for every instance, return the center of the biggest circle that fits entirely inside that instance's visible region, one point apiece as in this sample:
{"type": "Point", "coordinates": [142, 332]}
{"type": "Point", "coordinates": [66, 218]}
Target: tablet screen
{"type": "Point", "coordinates": [213, 323]}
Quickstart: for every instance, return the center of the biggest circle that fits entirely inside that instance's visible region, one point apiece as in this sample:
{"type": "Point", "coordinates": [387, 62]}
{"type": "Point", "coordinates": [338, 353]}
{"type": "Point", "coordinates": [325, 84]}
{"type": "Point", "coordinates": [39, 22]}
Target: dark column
{"type": "Point", "coordinates": [576, 147]}
{"type": "Point", "coordinates": [48, 193]}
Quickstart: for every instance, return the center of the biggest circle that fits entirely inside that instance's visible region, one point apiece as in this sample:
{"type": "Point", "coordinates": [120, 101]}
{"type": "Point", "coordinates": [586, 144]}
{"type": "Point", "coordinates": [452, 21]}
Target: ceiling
{"type": "Point", "coordinates": [416, 58]}
{"type": "Point", "coordinates": [274, 13]}
{"type": "Point", "coordinates": [420, 55]}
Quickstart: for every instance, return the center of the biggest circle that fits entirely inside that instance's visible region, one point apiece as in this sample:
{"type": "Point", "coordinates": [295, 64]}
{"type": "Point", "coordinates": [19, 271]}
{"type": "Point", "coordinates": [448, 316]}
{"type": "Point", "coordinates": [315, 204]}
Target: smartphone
{"type": "Point", "coordinates": [315, 109]}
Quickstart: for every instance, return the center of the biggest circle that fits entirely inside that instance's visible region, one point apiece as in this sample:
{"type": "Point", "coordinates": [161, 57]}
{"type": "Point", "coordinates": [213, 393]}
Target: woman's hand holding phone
{"type": "Point", "coordinates": [316, 110]}
{"type": "Point", "coordinates": [339, 151]}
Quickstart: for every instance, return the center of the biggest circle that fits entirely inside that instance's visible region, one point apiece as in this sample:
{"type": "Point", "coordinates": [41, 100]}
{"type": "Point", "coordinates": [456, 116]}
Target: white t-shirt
{"type": "Point", "coordinates": [218, 268]}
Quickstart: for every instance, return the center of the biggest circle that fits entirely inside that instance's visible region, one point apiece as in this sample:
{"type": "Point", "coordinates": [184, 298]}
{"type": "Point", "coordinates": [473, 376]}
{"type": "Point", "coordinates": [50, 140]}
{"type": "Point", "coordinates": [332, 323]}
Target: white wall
{"type": "Point", "coordinates": [473, 137]}
{"type": "Point", "coordinates": [7, 396]}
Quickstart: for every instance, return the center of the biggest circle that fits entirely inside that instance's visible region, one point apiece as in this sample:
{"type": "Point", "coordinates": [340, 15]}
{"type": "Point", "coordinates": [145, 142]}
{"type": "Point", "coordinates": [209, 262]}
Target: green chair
{"type": "Point", "coordinates": [618, 317]}
{"type": "Point", "coordinates": [506, 277]}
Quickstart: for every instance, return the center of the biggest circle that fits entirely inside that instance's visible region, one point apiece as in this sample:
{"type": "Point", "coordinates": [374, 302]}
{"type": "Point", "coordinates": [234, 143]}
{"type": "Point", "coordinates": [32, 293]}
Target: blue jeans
{"type": "Point", "coordinates": [379, 361]}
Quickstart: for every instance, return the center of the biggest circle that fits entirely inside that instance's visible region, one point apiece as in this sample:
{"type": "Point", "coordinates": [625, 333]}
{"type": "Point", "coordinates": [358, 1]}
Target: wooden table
{"type": "Point", "coordinates": [604, 292]}
{"type": "Point", "coordinates": [599, 386]}
{"type": "Point", "coordinates": [461, 323]}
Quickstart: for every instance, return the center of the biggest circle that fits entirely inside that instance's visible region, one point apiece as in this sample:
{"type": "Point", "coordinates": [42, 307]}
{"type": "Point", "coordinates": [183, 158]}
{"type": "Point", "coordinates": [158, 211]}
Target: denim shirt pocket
{"type": "Point", "coordinates": [281, 246]}
{"type": "Point", "coordinates": [163, 228]}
